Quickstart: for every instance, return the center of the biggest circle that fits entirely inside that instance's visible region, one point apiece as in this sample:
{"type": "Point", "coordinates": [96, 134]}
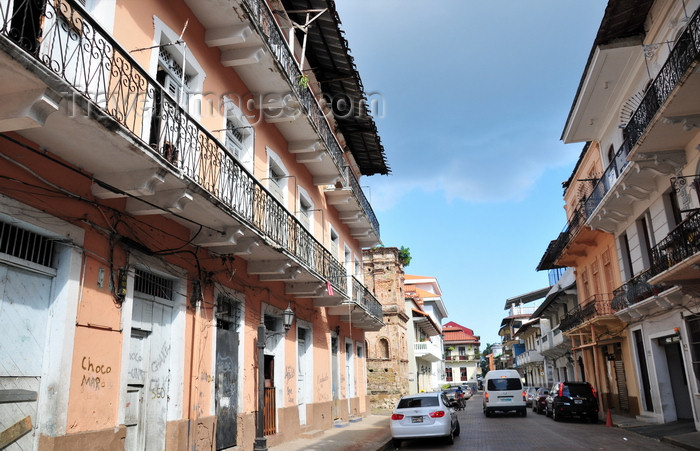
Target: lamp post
{"type": "Point", "coordinates": [287, 318]}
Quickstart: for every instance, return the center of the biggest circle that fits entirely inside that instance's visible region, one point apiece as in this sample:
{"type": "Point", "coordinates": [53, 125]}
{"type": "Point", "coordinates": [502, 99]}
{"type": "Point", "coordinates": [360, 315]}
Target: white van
{"type": "Point", "coordinates": [503, 392]}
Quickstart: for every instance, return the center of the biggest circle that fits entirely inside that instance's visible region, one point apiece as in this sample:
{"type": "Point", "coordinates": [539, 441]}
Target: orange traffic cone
{"type": "Point", "coordinates": [608, 420]}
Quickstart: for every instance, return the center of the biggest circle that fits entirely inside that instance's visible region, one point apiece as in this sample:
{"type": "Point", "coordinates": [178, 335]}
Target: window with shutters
{"type": "Point", "coordinates": [335, 242]}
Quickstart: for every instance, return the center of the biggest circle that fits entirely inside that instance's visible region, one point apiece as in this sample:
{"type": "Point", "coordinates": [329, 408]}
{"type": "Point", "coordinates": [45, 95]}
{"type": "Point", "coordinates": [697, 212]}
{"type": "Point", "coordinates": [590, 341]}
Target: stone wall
{"type": "Point", "coordinates": [387, 375]}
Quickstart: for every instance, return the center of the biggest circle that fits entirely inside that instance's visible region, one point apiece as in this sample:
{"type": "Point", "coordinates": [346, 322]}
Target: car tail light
{"type": "Point", "coordinates": [595, 395]}
{"type": "Point", "coordinates": [397, 416]}
{"type": "Point", "coordinates": [524, 396]}
{"type": "Point", "coordinates": [486, 397]}
{"type": "Point", "coordinates": [437, 414]}
{"type": "Point", "coordinates": [561, 389]}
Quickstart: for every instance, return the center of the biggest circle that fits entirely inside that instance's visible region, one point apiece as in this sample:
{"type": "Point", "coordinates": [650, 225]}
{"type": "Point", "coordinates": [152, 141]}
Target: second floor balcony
{"type": "Point", "coordinates": [427, 350]}
{"type": "Point", "coordinates": [362, 310]}
{"type": "Point", "coordinates": [594, 307]}
{"type": "Point", "coordinates": [675, 259]}
{"type": "Point", "coordinates": [529, 358]}
{"type": "Point", "coordinates": [635, 291]}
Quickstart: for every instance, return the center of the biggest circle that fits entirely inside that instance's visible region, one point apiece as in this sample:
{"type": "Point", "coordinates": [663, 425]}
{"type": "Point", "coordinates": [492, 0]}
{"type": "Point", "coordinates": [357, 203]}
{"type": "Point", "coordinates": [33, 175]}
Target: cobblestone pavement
{"type": "Point", "coordinates": [535, 432]}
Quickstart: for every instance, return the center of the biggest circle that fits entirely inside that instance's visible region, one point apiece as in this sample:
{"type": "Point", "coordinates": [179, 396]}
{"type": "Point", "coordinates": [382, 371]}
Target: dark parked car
{"type": "Point", "coordinates": [568, 399]}
{"type": "Point", "coordinates": [539, 403]}
{"type": "Point", "coordinates": [529, 394]}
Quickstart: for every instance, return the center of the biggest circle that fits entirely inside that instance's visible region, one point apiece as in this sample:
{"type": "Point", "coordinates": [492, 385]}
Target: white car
{"type": "Point", "coordinates": [424, 415]}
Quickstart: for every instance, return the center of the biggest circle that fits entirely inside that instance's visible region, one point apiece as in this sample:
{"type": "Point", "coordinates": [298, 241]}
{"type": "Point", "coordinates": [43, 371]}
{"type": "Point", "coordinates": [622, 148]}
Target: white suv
{"type": "Point", "coordinates": [503, 392]}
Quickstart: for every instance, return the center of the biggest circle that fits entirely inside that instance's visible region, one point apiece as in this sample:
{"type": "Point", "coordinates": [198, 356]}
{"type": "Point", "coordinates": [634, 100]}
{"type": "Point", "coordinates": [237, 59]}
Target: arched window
{"type": "Point", "coordinates": [383, 348]}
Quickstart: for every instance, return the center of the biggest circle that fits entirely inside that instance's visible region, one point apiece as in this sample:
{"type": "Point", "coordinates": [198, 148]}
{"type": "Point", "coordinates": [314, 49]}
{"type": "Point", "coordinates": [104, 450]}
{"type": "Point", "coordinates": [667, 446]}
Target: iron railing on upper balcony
{"type": "Point", "coordinates": [593, 307]}
{"type": "Point", "coordinates": [362, 296]}
{"type": "Point", "coordinates": [684, 53]}
{"type": "Point", "coordinates": [262, 19]}
{"type": "Point", "coordinates": [60, 35]}
{"type": "Point", "coordinates": [355, 186]}
{"type": "Point", "coordinates": [635, 290]}
{"type": "Point", "coordinates": [681, 243]}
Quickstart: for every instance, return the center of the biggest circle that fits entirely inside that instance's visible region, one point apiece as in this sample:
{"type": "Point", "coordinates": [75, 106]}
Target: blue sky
{"type": "Point", "coordinates": [475, 97]}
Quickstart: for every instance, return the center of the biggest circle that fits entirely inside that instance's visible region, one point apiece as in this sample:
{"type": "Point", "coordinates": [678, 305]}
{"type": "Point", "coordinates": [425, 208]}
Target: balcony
{"type": "Point", "coordinates": [659, 127]}
{"type": "Point", "coordinates": [595, 306]}
{"type": "Point", "coordinates": [574, 236]}
{"type": "Point", "coordinates": [676, 259]}
{"type": "Point", "coordinates": [427, 350]}
{"type": "Point", "coordinates": [355, 210]}
{"type": "Point", "coordinates": [529, 358]}
{"type": "Point", "coordinates": [76, 87]}
{"type": "Point", "coordinates": [250, 39]}
{"type": "Point", "coordinates": [554, 344]}
{"type": "Point", "coordinates": [635, 290]}
{"type": "Point", "coordinates": [362, 310]}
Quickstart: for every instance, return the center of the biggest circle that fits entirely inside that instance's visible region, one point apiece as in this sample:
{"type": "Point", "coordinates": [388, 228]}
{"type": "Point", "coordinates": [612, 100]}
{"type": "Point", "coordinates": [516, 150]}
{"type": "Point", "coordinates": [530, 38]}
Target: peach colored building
{"type": "Point", "coordinates": [181, 223]}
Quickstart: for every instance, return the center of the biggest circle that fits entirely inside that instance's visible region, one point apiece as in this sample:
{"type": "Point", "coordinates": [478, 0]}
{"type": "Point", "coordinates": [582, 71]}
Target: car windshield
{"type": "Point", "coordinates": [422, 401]}
{"type": "Point", "coordinates": [504, 384]}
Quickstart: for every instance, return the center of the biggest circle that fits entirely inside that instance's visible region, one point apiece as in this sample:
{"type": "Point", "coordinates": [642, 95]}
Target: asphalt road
{"type": "Point", "coordinates": [535, 432]}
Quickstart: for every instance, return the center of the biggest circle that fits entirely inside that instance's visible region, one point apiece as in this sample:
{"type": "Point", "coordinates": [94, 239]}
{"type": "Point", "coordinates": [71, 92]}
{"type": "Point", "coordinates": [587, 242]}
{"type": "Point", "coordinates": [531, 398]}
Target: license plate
{"type": "Point", "coordinates": [507, 399]}
{"type": "Point", "coordinates": [578, 401]}
{"type": "Point", "coordinates": [417, 419]}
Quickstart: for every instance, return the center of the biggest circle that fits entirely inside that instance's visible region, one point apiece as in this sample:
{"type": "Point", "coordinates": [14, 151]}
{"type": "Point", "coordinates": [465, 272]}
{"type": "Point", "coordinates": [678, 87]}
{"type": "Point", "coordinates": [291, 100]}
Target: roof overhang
{"type": "Point", "coordinates": [425, 322]}
{"type": "Point", "coordinates": [603, 84]}
{"type": "Point", "coordinates": [329, 57]}
{"type": "Point", "coordinates": [527, 297]}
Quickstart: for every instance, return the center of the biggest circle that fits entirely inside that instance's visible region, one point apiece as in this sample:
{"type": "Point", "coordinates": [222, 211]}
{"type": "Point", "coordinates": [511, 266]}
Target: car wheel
{"type": "Point", "coordinates": [555, 416]}
{"type": "Point", "coordinates": [487, 413]}
{"type": "Point", "coordinates": [534, 408]}
{"type": "Point", "coordinates": [547, 411]}
{"type": "Point", "coordinates": [524, 412]}
{"type": "Point", "coordinates": [457, 430]}
{"type": "Point", "coordinates": [450, 439]}
{"type": "Point", "coordinates": [593, 417]}
{"type": "Point", "coordinates": [396, 442]}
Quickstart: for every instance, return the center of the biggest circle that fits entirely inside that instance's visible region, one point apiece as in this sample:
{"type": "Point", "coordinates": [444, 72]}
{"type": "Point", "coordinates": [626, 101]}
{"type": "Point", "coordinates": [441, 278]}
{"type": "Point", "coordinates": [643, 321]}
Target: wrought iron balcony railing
{"type": "Point", "coordinates": [60, 35]}
{"type": "Point", "coordinates": [262, 19]}
{"type": "Point", "coordinates": [635, 290]}
{"type": "Point", "coordinates": [365, 298]}
{"type": "Point", "coordinates": [593, 307]}
{"type": "Point", "coordinates": [355, 185]}
{"type": "Point", "coordinates": [684, 53]}
{"type": "Point", "coordinates": [681, 243]}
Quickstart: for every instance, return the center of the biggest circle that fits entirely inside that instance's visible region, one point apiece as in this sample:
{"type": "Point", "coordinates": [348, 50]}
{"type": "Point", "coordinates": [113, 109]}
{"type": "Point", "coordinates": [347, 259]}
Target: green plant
{"type": "Point", "coordinates": [303, 81]}
{"type": "Point", "coordinates": [405, 256]}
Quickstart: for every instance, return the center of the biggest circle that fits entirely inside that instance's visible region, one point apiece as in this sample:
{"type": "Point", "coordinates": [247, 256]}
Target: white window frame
{"type": "Point", "coordinates": [246, 144]}
{"type": "Point", "coordinates": [277, 176]}
{"type": "Point", "coordinates": [305, 215]}
{"type": "Point", "coordinates": [334, 241]}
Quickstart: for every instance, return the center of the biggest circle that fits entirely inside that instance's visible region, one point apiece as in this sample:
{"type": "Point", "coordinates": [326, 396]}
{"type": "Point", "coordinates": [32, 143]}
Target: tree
{"type": "Point", "coordinates": [405, 256]}
{"type": "Point", "coordinates": [484, 363]}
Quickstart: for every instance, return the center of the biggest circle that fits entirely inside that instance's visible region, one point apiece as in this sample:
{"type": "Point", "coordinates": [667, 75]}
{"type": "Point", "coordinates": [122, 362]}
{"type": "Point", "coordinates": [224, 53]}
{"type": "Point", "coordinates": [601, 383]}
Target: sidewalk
{"type": "Point", "coordinates": [678, 433]}
{"type": "Point", "coordinates": [372, 433]}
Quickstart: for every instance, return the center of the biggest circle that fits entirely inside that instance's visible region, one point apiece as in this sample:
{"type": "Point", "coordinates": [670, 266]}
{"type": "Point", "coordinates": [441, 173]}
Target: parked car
{"type": "Point", "coordinates": [503, 392]}
{"type": "Point", "coordinates": [568, 399]}
{"type": "Point", "coordinates": [529, 394]}
{"type": "Point", "coordinates": [539, 401]}
{"type": "Point", "coordinates": [424, 415]}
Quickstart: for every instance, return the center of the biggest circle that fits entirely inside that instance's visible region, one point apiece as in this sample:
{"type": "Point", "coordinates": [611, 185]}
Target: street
{"type": "Point", "coordinates": [535, 432]}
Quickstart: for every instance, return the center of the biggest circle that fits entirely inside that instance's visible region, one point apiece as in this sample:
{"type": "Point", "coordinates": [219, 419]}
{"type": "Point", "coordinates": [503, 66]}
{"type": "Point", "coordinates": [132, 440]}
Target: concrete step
{"type": "Point", "coordinates": [339, 423]}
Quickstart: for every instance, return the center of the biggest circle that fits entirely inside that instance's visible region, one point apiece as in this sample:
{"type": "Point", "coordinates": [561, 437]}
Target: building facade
{"type": "Point", "coordinates": [637, 107]}
{"type": "Point", "coordinates": [181, 223]}
{"type": "Point", "coordinates": [462, 355]}
{"type": "Point", "coordinates": [387, 348]}
{"type": "Point", "coordinates": [426, 311]}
